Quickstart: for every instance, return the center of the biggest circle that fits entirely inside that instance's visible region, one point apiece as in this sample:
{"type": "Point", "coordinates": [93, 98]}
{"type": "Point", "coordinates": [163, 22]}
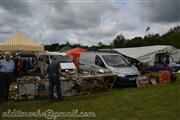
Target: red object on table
{"type": "Point", "coordinates": [164, 76]}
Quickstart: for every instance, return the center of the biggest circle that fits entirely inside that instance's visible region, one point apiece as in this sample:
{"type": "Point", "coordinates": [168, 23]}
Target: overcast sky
{"type": "Point", "coordinates": [86, 22]}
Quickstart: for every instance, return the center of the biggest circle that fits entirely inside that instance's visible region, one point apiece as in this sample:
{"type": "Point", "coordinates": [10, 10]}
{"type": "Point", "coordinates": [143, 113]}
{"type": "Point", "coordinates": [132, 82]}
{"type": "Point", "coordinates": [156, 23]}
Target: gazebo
{"type": "Point", "coordinates": [19, 42]}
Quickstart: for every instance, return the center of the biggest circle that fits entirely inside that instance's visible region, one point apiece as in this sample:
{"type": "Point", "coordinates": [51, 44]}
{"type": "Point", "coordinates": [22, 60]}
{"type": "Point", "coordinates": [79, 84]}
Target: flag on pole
{"type": "Point", "coordinates": [148, 28]}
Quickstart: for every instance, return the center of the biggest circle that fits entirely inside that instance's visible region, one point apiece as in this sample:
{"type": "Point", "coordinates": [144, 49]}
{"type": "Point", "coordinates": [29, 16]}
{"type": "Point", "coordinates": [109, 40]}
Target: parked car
{"type": "Point", "coordinates": [65, 62]}
{"type": "Point", "coordinates": [127, 73]}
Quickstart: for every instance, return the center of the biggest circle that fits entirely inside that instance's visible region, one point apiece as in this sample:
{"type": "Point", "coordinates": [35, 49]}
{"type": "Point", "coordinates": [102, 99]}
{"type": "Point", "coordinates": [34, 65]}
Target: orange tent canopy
{"type": "Point", "coordinates": [74, 53]}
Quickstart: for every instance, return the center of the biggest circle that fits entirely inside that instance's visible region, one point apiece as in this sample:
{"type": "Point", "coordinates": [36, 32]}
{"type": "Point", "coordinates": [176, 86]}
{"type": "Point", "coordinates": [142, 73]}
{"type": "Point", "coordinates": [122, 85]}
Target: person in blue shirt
{"type": "Point", "coordinates": [6, 74]}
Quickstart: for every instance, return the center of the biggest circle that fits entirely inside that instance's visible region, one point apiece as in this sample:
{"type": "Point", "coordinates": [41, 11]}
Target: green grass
{"type": "Point", "coordinates": [160, 102]}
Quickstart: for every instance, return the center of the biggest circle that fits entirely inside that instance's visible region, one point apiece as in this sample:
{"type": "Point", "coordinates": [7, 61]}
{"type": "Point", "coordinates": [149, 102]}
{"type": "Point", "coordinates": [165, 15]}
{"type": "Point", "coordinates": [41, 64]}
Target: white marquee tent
{"type": "Point", "coordinates": [146, 53]}
{"type": "Point", "coordinates": [176, 55]}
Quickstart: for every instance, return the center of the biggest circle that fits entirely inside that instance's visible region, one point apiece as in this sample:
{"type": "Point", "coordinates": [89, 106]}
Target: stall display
{"type": "Point", "coordinates": [142, 81]}
{"type": "Point", "coordinates": [28, 86]}
{"type": "Point", "coordinates": [87, 81]}
{"type": "Point", "coordinates": [25, 64]}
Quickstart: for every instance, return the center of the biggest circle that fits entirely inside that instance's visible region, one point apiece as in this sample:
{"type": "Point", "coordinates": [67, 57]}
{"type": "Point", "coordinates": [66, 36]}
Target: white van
{"type": "Point", "coordinates": [127, 73]}
{"type": "Point", "coordinates": [65, 62]}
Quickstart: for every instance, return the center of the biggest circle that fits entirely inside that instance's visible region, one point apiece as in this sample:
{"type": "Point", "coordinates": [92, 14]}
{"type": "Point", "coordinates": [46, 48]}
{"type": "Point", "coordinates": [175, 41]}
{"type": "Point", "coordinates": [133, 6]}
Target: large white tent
{"type": "Point", "coordinates": [146, 53]}
{"type": "Point", "coordinates": [19, 42]}
{"type": "Point", "coordinates": [176, 55]}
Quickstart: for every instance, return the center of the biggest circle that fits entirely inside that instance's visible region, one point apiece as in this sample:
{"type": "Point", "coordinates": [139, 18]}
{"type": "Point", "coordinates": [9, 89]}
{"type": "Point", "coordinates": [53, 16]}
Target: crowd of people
{"type": "Point", "coordinates": [9, 67]}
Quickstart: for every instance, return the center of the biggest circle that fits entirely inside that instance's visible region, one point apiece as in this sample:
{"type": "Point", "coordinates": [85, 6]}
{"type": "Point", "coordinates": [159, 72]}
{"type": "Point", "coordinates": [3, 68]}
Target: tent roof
{"type": "Point", "coordinates": [136, 52]}
{"type": "Point", "coordinates": [176, 54]}
{"type": "Point", "coordinates": [77, 51]}
{"type": "Point", "coordinates": [20, 42]}
{"type": "Point", "coordinates": [65, 48]}
{"type": "Point", "coordinates": [74, 53]}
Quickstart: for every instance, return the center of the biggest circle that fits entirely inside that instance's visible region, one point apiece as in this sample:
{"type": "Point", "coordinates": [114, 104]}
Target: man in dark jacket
{"type": "Point", "coordinates": [54, 71]}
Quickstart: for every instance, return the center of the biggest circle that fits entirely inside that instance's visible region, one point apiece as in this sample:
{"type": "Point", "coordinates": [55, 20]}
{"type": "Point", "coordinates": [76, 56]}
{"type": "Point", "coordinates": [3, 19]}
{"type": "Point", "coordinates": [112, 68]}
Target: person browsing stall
{"type": "Point", "coordinates": [6, 74]}
{"type": "Point", "coordinates": [54, 71]}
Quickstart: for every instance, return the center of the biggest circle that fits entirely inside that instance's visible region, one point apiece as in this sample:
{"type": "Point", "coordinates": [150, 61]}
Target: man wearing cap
{"type": "Point", "coordinates": [53, 75]}
{"type": "Point", "coordinates": [6, 74]}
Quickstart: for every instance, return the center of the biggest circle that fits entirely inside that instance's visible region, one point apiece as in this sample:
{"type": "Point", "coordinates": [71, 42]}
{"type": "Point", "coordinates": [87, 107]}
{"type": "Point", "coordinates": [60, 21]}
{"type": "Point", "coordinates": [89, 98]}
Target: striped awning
{"type": "Point", "coordinates": [20, 42]}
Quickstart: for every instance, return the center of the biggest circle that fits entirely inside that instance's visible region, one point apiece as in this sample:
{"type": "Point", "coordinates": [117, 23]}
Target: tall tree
{"type": "Point", "coordinates": [135, 42]}
{"type": "Point", "coordinates": [119, 41]}
{"type": "Point", "coordinates": [100, 44]}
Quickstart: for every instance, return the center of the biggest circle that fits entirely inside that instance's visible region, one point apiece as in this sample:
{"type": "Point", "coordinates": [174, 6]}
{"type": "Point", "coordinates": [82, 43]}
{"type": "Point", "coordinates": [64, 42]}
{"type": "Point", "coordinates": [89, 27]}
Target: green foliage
{"type": "Point", "coordinates": [101, 46]}
{"type": "Point", "coordinates": [137, 41]}
{"type": "Point", "coordinates": [172, 37]}
{"type": "Point", "coordinates": [119, 41]}
{"type": "Point", "coordinates": [54, 47]}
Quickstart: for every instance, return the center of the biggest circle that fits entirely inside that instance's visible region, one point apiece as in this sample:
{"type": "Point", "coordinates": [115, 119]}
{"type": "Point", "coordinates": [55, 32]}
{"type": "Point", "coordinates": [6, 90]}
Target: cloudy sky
{"type": "Point", "coordinates": [86, 22]}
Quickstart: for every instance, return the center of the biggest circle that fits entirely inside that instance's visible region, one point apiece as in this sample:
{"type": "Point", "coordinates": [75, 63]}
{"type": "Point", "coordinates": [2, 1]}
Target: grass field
{"type": "Point", "coordinates": [160, 102]}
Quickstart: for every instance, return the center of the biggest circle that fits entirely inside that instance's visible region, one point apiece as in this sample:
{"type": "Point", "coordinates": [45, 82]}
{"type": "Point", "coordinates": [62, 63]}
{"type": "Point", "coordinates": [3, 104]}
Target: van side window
{"type": "Point", "coordinates": [41, 58]}
{"type": "Point", "coordinates": [99, 62]}
{"type": "Point", "coordinates": [45, 59]}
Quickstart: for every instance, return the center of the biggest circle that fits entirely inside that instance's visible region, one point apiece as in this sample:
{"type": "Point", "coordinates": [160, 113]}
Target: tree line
{"type": "Point", "coordinates": [172, 37]}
